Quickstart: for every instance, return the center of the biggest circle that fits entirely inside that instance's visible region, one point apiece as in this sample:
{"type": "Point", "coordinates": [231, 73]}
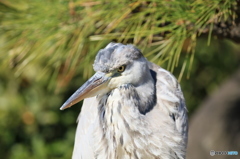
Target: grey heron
{"type": "Point", "coordinates": [132, 109]}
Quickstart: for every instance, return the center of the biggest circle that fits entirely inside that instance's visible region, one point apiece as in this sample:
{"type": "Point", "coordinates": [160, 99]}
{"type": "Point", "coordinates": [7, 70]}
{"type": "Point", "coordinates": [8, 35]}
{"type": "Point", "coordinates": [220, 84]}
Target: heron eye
{"type": "Point", "coordinates": [121, 68]}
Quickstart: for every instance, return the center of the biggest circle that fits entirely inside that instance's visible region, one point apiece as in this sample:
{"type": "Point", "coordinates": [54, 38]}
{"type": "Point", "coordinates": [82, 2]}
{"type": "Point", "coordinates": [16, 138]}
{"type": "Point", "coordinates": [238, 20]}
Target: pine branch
{"type": "Point", "coordinates": [60, 35]}
{"type": "Point", "coordinates": [226, 28]}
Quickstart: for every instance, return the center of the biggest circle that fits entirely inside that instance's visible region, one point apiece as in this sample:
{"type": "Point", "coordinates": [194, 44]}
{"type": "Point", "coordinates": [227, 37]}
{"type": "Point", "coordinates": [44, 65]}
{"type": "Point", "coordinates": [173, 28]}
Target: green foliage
{"type": "Point", "coordinates": [62, 34]}
{"type": "Point", "coordinates": [212, 66]}
{"type": "Point", "coordinates": [46, 47]}
{"type": "Point", "coordinates": [30, 125]}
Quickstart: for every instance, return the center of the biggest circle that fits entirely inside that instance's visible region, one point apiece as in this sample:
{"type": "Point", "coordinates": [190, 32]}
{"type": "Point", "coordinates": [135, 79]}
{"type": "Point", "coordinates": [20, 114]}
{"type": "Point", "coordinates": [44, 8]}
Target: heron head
{"type": "Point", "coordinates": [115, 65]}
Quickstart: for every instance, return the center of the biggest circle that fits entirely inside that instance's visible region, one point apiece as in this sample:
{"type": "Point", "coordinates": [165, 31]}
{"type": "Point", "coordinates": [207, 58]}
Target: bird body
{"type": "Point", "coordinates": [136, 109]}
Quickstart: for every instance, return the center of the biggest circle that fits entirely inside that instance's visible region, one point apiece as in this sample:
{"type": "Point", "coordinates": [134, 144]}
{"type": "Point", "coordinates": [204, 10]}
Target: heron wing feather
{"type": "Point", "coordinates": [170, 99]}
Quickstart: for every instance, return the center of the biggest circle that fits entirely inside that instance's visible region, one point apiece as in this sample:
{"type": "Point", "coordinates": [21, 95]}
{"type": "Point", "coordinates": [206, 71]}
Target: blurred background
{"type": "Point", "coordinates": [47, 49]}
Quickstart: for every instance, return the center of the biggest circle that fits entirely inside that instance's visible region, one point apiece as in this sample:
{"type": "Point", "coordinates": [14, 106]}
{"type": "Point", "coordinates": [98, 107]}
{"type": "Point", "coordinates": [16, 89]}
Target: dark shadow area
{"type": "Point", "coordinates": [232, 123]}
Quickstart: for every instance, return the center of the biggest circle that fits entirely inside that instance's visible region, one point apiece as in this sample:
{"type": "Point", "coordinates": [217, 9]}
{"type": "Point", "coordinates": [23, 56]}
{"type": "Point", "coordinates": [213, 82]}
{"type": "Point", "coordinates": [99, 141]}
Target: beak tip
{"type": "Point", "coordinates": [64, 106]}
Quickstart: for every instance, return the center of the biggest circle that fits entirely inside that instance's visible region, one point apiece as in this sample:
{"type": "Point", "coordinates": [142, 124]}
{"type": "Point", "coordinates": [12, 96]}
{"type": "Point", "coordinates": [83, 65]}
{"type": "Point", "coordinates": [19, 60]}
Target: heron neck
{"type": "Point", "coordinates": [147, 94]}
{"type": "Point", "coordinates": [122, 110]}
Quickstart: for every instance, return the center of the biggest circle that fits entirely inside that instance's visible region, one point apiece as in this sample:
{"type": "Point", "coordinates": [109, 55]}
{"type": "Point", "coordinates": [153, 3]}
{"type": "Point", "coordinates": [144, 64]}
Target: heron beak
{"type": "Point", "coordinates": [94, 86]}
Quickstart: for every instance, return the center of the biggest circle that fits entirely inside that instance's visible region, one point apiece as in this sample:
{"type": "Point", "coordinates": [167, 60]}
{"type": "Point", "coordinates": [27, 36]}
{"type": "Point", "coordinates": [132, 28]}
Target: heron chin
{"type": "Point", "coordinates": [132, 109]}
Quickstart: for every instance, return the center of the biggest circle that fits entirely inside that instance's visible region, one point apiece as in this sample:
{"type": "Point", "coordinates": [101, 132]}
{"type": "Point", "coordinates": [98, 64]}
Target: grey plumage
{"type": "Point", "coordinates": [115, 55]}
{"type": "Point", "coordinates": [136, 109]}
